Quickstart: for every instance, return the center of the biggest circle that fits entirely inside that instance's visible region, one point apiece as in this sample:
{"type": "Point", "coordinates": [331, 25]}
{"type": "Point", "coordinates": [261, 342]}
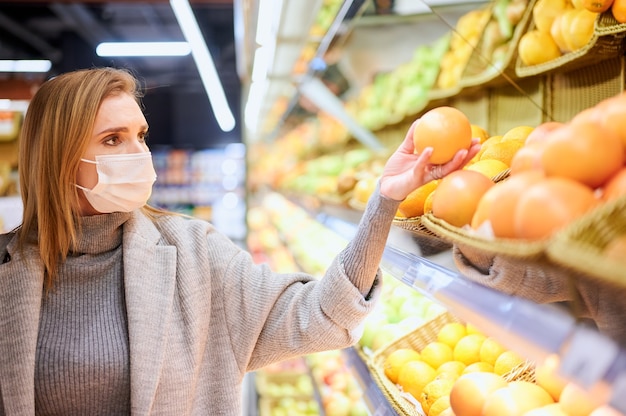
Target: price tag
{"type": "Point", "coordinates": [583, 362]}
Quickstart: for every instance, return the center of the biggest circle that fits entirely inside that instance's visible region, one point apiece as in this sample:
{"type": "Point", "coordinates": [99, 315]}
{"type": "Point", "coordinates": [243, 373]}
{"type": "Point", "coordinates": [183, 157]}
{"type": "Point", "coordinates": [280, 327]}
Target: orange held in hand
{"type": "Point", "coordinates": [445, 129]}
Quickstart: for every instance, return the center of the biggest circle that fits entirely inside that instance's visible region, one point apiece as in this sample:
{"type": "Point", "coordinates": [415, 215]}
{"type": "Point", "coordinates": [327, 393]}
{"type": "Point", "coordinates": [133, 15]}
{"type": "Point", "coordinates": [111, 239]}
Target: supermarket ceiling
{"type": "Point", "coordinates": [67, 33]}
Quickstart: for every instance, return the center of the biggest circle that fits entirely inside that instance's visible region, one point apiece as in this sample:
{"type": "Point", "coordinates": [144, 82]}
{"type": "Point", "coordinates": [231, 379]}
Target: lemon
{"type": "Point", "coordinates": [467, 349]}
{"type": "Point", "coordinates": [517, 133]}
{"type": "Point", "coordinates": [436, 353]}
{"type": "Point", "coordinates": [503, 151]}
{"type": "Point", "coordinates": [439, 406]}
{"type": "Point", "coordinates": [439, 387]}
{"type": "Point", "coordinates": [491, 350]}
{"type": "Point", "coordinates": [506, 362]}
{"type": "Point", "coordinates": [488, 167]}
{"type": "Point", "coordinates": [452, 368]}
{"type": "Point", "coordinates": [414, 376]}
{"type": "Point", "coordinates": [479, 132]}
{"type": "Point", "coordinates": [479, 366]}
{"type": "Point", "coordinates": [394, 362]}
{"type": "Point", "coordinates": [451, 332]}
{"type": "Point", "coordinates": [537, 47]}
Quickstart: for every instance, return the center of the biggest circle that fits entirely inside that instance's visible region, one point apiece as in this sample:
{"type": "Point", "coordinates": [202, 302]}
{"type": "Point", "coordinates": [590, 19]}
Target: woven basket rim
{"type": "Point", "coordinates": [505, 246]}
{"type": "Point", "coordinates": [570, 249]}
{"type": "Point", "coordinates": [604, 30]}
{"type": "Point", "coordinates": [489, 74]}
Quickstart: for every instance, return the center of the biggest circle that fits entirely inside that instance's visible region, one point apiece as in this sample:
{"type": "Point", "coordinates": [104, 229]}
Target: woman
{"type": "Point", "coordinates": [109, 306]}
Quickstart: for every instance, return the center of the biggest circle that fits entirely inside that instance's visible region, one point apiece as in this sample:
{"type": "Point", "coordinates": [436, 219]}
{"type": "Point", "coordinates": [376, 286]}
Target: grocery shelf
{"type": "Point", "coordinates": [376, 401]}
{"type": "Point", "coordinates": [536, 331]}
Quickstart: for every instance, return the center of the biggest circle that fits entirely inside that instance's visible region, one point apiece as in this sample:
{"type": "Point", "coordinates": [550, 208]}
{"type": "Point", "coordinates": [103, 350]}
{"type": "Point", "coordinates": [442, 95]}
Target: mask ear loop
{"type": "Point", "coordinates": [93, 162]}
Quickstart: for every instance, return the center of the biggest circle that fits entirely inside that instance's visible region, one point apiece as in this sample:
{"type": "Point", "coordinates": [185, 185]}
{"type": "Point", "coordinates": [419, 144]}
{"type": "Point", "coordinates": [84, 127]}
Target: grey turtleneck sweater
{"type": "Point", "coordinates": [82, 362]}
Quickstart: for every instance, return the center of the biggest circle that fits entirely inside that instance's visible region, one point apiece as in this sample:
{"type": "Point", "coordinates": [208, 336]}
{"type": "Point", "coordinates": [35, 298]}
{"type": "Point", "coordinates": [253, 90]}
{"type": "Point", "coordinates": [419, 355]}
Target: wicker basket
{"type": "Point", "coordinates": [482, 72]}
{"type": "Point", "coordinates": [607, 42]}
{"type": "Point", "coordinates": [580, 245]}
{"type": "Point", "coordinates": [530, 250]}
{"type": "Point", "coordinates": [417, 340]}
{"type": "Point", "coordinates": [520, 104]}
{"type": "Point", "coordinates": [571, 92]}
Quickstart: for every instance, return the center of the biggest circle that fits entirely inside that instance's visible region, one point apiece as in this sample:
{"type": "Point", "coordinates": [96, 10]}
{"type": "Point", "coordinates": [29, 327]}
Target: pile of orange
{"type": "Point", "coordinates": [448, 130]}
{"type": "Point", "coordinates": [563, 171]}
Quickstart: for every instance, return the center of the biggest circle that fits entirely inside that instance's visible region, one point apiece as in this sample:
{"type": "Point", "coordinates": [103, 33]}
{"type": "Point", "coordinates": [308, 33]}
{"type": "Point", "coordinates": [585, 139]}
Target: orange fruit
{"type": "Point", "coordinates": [549, 205]}
{"type": "Point", "coordinates": [612, 116]}
{"type": "Point", "coordinates": [552, 409]}
{"type": "Point", "coordinates": [546, 376]}
{"type": "Point", "coordinates": [506, 362]}
{"type": "Point", "coordinates": [470, 391]}
{"type": "Point", "coordinates": [436, 353]}
{"type": "Point", "coordinates": [457, 196]}
{"type": "Point", "coordinates": [413, 204]}
{"type": "Point", "coordinates": [414, 376]}
{"type": "Point", "coordinates": [597, 6]}
{"type": "Point", "coordinates": [576, 401]}
{"type": "Point", "coordinates": [446, 129]}
{"type": "Point", "coordinates": [394, 362]}
{"type": "Point", "coordinates": [498, 204]}
{"type": "Point", "coordinates": [528, 157]}
{"type": "Point", "coordinates": [618, 10]}
{"type": "Point", "coordinates": [536, 47]}
{"type": "Point", "coordinates": [490, 350]}
{"type": "Point", "coordinates": [515, 399]}
{"type": "Point", "coordinates": [467, 349]}
{"type": "Point", "coordinates": [428, 202]}
{"type": "Point", "coordinates": [540, 132]}
{"type": "Point", "coordinates": [604, 410]}
{"type": "Point", "coordinates": [436, 389]}
{"type": "Point", "coordinates": [450, 333]}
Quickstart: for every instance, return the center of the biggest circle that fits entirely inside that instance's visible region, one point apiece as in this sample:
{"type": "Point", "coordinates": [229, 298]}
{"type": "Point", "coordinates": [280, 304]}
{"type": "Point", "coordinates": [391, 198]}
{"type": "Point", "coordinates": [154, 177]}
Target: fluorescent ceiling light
{"type": "Point", "coordinates": [36, 65]}
{"type": "Point", "coordinates": [143, 49]}
{"type": "Point", "coordinates": [204, 63]}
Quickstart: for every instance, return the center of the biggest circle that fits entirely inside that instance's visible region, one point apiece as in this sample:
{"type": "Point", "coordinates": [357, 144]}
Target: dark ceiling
{"type": "Point", "coordinates": [67, 33]}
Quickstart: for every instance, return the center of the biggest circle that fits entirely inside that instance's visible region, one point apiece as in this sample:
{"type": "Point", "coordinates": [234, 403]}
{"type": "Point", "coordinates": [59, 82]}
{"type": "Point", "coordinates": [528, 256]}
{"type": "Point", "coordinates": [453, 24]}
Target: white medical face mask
{"type": "Point", "coordinates": [124, 182]}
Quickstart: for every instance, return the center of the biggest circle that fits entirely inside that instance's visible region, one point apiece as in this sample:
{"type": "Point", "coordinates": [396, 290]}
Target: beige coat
{"type": "Point", "coordinates": [200, 315]}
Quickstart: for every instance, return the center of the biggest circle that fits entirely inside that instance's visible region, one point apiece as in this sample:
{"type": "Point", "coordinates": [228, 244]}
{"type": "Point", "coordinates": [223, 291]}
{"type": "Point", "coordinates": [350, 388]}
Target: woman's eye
{"type": "Point", "coordinates": [112, 141]}
{"type": "Point", "coordinates": [143, 137]}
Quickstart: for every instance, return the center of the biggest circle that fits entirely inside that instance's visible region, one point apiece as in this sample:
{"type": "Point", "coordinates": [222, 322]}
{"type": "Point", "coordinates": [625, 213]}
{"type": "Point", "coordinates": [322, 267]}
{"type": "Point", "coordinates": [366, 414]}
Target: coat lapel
{"type": "Point", "coordinates": [21, 286]}
{"type": "Point", "coordinates": [149, 280]}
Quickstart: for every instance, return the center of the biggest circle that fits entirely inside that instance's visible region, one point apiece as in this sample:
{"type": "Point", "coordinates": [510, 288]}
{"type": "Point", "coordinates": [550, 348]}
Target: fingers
{"type": "Point", "coordinates": [408, 145]}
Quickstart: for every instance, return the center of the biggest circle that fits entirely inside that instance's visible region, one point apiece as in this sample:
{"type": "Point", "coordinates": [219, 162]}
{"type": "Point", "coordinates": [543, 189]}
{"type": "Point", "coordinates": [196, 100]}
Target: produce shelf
{"type": "Point", "coordinates": [588, 358]}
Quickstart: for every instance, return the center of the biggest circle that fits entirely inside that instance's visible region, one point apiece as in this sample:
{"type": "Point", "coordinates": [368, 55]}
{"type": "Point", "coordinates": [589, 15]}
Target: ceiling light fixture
{"type": "Point", "coordinates": [143, 49]}
{"type": "Point", "coordinates": [32, 65]}
{"type": "Point", "coordinates": [204, 63]}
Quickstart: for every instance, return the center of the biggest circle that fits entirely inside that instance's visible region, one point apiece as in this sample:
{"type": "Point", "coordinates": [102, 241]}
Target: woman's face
{"type": "Point", "coordinates": [120, 128]}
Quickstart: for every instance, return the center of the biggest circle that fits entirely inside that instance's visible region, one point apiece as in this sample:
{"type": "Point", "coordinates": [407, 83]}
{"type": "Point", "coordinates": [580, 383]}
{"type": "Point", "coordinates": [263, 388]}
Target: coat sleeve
{"type": "Point", "coordinates": [584, 296]}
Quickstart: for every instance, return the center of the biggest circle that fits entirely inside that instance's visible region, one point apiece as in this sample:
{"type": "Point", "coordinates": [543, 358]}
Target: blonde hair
{"type": "Point", "coordinates": [58, 123]}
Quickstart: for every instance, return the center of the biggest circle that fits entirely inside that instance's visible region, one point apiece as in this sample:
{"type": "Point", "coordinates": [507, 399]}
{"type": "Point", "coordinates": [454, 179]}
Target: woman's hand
{"type": "Point", "coordinates": [406, 171]}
